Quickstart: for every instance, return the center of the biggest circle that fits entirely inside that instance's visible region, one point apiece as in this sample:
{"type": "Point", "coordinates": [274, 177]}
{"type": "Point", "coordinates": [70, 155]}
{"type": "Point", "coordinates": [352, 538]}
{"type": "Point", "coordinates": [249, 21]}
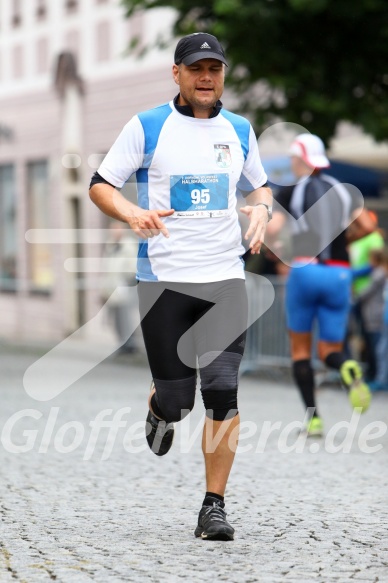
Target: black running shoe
{"type": "Point", "coordinates": [159, 434]}
{"type": "Point", "coordinates": [212, 524]}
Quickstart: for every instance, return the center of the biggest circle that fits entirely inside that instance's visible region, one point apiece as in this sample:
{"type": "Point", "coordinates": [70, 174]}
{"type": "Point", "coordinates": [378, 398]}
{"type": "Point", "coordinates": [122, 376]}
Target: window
{"type": "Point", "coordinates": [16, 13]}
{"type": "Point", "coordinates": [71, 6]}
{"type": "Point", "coordinates": [42, 60]}
{"type": "Point", "coordinates": [17, 62]}
{"type": "Point", "coordinates": [8, 234]}
{"type": "Point", "coordinates": [40, 255]}
{"type": "Point", "coordinates": [41, 9]}
{"type": "Point", "coordinates": [103, 41]}
{"type": "Point", "coordinates": [72, 41]}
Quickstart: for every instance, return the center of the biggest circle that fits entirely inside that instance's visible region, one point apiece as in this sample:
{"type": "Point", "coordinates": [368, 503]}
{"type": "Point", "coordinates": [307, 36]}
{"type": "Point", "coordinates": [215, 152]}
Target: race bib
{"type": "Point", "coordinates": [199, 196]}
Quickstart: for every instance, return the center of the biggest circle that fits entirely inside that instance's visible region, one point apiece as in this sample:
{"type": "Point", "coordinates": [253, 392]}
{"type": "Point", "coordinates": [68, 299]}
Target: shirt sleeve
{"type": "Point", "coordinates": [253, 175]}
{"type": "Point", "coordinates": [125, 156]}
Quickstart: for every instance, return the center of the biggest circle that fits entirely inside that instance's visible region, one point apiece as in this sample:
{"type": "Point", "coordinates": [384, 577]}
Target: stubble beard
{"type": "Point", "coordinates": [199, 104]}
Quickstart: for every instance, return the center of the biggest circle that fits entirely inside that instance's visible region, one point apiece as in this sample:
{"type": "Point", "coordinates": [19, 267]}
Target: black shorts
{"type": "Point", "coordinates": [184, 321]}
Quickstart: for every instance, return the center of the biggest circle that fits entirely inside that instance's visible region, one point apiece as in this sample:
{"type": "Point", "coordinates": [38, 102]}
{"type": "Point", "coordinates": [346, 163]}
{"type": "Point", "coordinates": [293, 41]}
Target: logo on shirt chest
{"type": "Point", "coordinates": [222, 155]}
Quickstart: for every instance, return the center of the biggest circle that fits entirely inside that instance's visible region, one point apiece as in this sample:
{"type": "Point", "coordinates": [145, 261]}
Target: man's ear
{"type": "Point", "coordinates": [175, 73]}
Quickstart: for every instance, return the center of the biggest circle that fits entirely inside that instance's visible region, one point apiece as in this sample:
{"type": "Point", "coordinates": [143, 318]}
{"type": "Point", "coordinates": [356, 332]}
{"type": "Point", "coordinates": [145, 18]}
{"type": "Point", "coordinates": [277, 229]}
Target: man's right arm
{"type": "Point", "coordinates": [144, 223]}
{"type": "Point", "coordinates": [123, 159]}
{"type": "Point", "coordinates": [110, 201]}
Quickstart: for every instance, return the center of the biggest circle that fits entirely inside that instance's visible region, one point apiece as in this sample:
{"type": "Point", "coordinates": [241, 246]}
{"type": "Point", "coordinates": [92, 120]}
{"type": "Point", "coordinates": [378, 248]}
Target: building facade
{"type": "Point", "coordinates": [68, 84]}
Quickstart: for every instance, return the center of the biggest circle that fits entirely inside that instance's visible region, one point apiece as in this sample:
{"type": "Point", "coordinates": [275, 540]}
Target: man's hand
{"type": "Point", "coordinates": [146, 224]}
{"type": "Point", "coordinates": [258, 219]}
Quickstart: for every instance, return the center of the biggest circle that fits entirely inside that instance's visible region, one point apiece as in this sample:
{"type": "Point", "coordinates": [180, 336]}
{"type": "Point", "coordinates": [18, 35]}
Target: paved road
{"type": "Point", "coordinates": [80, 504]}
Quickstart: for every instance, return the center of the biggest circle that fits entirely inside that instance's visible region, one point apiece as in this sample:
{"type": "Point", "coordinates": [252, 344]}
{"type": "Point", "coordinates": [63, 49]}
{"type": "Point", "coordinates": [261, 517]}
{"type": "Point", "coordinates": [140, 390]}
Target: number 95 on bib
{"type": "Point", "coordinates": [199, 195]}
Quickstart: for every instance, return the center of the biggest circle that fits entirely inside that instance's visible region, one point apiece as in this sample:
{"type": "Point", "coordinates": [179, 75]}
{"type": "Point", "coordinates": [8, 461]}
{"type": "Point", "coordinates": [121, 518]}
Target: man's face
{"type": "Point", "coordinates": [299, 168]}
{"type": "Point", "coordinates": [201, 84]}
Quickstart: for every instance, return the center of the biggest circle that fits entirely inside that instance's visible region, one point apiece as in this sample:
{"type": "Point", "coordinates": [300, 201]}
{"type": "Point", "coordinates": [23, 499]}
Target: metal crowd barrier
{"type": "Point", "coordinates": [267, 344]}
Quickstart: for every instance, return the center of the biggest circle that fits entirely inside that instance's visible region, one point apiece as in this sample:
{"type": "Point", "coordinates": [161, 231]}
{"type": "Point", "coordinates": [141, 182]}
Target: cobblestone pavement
{"type": "Point", "coordinates": [81, 504]}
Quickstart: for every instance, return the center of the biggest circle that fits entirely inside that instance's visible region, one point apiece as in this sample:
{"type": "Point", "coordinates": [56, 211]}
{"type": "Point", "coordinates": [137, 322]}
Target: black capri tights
{"type": "Point", "coordinates": [188, 326]}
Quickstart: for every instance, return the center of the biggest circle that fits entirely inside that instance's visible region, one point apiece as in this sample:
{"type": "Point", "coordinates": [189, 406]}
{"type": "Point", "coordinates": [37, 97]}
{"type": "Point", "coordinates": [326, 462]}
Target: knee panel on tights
{"type": "Point", "coordinates": [174, 398]}
{"type": "Point", "coordinates": [219, 384]}
{"type": "Point", "coordinates": [220, 405]}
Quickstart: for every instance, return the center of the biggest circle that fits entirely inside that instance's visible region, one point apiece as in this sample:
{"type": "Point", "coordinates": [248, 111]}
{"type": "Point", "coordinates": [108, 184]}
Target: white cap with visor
{"type": "Point", "coordinates": [311, 150]}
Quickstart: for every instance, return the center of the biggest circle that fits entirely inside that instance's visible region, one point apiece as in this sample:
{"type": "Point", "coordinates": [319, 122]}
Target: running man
{"type": "Point", "coordinates": [319, 283]}
{"type": "Point", "coordinates": [191, 157]}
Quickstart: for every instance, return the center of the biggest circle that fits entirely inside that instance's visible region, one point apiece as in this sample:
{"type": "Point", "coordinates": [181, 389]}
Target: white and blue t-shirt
{"type": "Point", "coordinates": [194, 166]}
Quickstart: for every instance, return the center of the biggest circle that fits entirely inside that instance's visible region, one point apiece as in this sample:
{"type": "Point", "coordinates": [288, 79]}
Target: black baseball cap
{"type": "Point", "coordinates": [196, 46]}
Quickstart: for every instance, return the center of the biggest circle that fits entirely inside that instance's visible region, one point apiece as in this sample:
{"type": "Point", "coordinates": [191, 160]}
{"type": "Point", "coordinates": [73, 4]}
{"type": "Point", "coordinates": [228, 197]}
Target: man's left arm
{"type": "Point", "coordinates": [258, 209]}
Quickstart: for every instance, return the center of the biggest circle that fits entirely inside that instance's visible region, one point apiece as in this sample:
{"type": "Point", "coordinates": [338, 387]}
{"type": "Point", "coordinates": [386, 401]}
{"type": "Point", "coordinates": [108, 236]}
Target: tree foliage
{"type": "Point", "coordinates": [312, 62]}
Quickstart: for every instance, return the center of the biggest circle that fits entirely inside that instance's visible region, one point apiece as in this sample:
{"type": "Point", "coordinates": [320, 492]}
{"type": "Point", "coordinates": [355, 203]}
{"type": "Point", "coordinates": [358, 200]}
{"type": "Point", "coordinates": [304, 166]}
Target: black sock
{"type": "Point", "coordinates": [304, 379]}
{"type": "Point", "coordinates": [208, 502]}
{"type": "Point", "coordinates": [335, 360]}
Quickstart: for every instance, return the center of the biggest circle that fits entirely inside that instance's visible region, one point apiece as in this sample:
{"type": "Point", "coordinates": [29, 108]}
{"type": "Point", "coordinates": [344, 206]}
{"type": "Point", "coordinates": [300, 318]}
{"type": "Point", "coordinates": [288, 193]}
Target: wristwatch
{"type": "Point", "coordinates": [269, 209]}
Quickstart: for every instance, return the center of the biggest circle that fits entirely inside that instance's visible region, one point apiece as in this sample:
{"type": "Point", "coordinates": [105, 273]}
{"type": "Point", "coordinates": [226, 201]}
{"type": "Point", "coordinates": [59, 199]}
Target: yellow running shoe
{"type": "Point", "coordinates": [359, 393]}
{"type": "Point", "coordinates": [360, 396]}
{"type": "Point", "coordinates": [314, 427]}
{"type": "Point", "coordinates": [349, 371]}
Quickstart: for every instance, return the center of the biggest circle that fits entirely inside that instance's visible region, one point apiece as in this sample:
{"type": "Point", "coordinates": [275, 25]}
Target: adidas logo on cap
{"type": "Point", "coordinates": [205, 46]}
